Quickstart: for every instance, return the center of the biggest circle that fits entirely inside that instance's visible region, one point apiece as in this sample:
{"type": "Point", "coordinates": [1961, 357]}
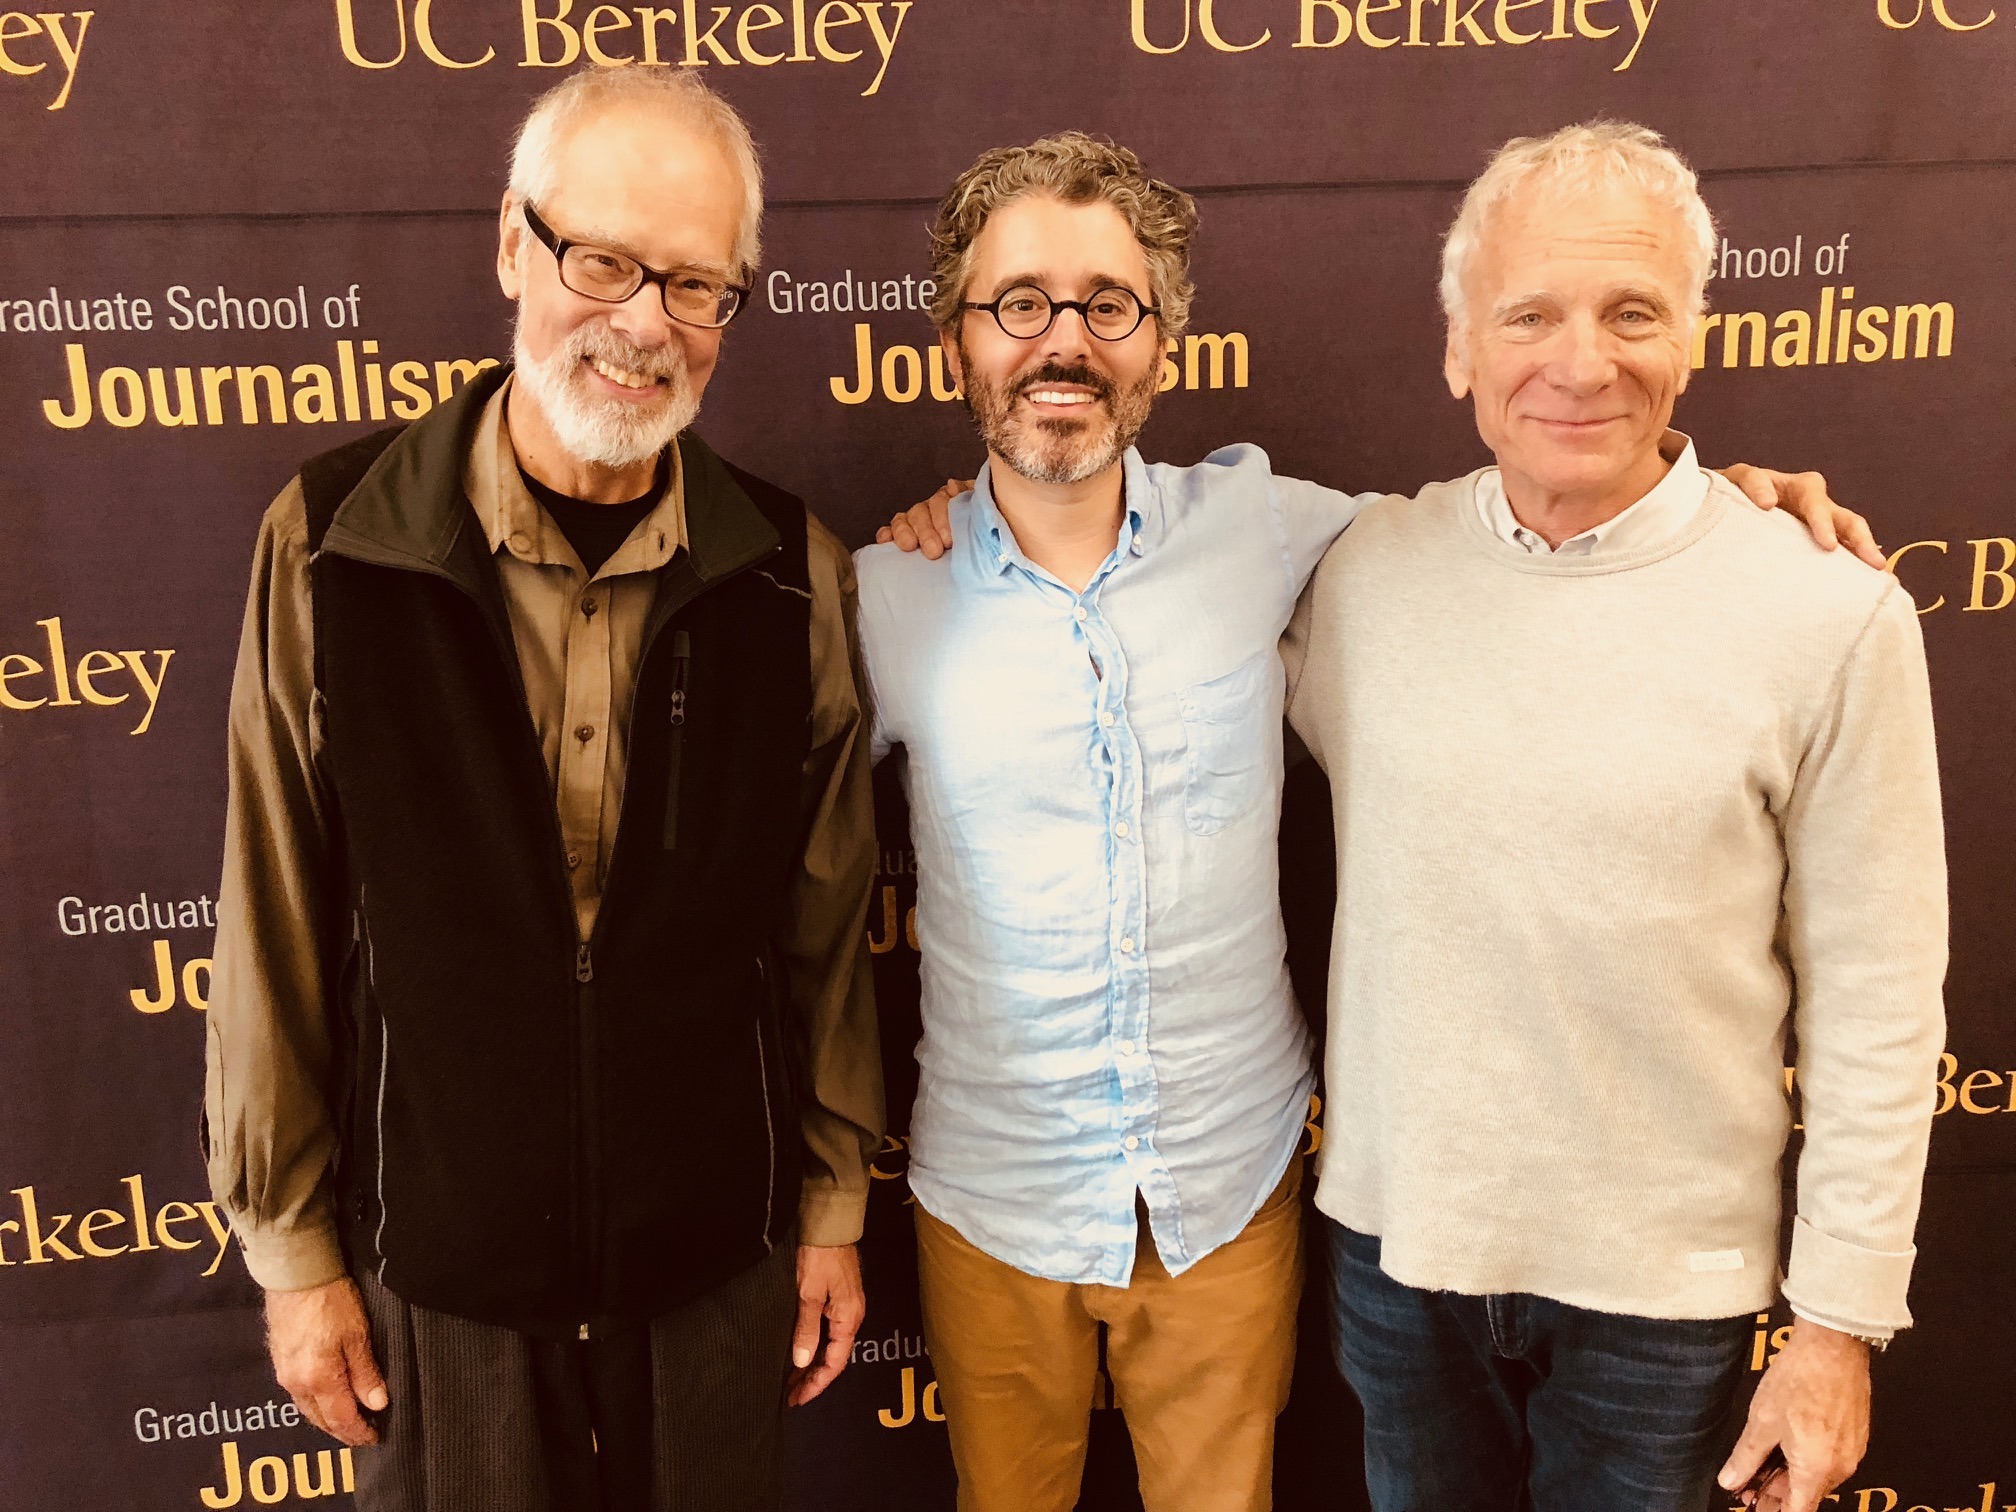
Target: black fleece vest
{"type": "Point", "coordinates": [558, 1135]}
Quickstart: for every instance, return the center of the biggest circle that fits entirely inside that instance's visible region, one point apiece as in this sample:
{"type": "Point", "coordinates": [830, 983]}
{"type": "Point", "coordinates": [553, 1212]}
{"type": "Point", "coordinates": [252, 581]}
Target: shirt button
{"type": "Point", "coordinates": [589, 606]}
{"type": "Point", "coordinates": [1131, 1142]}
{"type": "Point", "coordinates": [1120, 829]}
{"type": "Point", "coordinates": [573, 859]}
{"type": "Point", "coordinates": [585, 734]}
{"type": "Point", "coordinates": [1079, 614]}
{"type": "Point", "coordinates": [1126, 1047]}
{"type": "Point", "coordinates": [519, 541]}
{"type": "Point", "coordinates": [1127, 945]}
{"type": "Point", "coordinates": [1106, 718]}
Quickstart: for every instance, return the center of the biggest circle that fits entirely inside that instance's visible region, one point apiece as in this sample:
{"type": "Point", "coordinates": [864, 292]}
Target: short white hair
{"type": "Point", "coordinates": [677, 91]}
{"type": "Point", "coordinates": [1582, 158]}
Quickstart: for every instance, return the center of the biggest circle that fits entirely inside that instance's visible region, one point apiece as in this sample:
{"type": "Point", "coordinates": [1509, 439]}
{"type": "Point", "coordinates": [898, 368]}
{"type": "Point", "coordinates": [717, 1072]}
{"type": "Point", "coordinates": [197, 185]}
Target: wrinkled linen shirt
{"type": "Point", "coordinates": [1095, 790]}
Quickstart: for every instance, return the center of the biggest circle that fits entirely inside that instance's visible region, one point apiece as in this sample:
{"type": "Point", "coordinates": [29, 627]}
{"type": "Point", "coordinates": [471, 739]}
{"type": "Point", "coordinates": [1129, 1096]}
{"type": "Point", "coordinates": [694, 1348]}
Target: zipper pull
{"type": "Point", "coordinates": [584, 967]}
{"type": "Point", "coordinates": [682, 656]}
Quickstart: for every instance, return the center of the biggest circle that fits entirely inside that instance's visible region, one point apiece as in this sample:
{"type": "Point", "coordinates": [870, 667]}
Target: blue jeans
{"type": "Point", "coordinates": [1509, 1403]}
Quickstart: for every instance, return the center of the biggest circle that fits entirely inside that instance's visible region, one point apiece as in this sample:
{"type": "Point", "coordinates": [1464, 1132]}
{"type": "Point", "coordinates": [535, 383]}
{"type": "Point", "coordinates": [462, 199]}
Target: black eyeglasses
{"type": "Point", "coordinates": [690, 297]}
{"type": "Point", "coordinates": [1026, 311]}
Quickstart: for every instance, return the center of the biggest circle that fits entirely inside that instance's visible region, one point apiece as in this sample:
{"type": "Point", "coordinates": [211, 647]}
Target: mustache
{"type": "Point", "coordinates": [599, 342]}
{"type": "Point", "coordinates": [1063, 372]}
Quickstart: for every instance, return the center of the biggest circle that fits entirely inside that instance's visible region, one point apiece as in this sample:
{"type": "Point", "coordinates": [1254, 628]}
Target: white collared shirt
{"type": "Point", "coordinates": [1654, 519]}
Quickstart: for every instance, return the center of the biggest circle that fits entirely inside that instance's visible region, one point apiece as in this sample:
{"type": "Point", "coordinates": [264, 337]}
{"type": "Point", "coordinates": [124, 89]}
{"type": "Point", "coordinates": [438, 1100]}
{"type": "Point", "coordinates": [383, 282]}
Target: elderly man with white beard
{"type": "Point", "coordinates": [543, 1074]}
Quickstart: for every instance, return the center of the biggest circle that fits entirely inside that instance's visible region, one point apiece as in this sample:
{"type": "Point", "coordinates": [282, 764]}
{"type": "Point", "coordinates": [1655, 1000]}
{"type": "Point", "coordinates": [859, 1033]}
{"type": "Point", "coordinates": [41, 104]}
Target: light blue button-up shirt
{"type": "Point", "coordinates": [1095, 789]}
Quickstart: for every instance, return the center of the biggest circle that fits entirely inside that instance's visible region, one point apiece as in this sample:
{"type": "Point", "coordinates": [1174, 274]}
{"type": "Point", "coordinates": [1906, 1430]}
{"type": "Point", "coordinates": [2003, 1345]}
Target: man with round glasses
{"type": "Point", "coordinates": [543, 1076]}
{"type": "Point", "coordinates": [1114, 1074]}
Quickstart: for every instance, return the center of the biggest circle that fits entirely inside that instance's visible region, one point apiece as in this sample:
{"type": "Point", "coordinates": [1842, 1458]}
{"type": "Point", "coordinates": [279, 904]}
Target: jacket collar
{"type": "Point", "coordinates": [411, 508]}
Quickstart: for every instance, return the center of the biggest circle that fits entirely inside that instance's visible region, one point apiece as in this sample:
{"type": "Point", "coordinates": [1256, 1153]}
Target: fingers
{"type": "Point", "coordinates": [1759, 486]}
{"type": "Point", "coordinates": [321, 1346]}
{"type": "Point", "coordinates": [322, 1390]}
{"type": "Point", "coordinates": [926, 527]}
{"type": "Point", "coordinates": [1805, 494]}
{"type": "Point", "coordinates": [1745, 1458]}
{"type": "Point", "coordinates": [941, 509]}
{"type": "Point", "coordinates": [926, 523]}
{"type": "Point", "coordinates": [844, 1315]}
{"type": "Point", "coordinates": [805, 1333]}
{"type": "Point", "coordinates": [366, 1383]}
{"type": "Point", "coordinates": [832, 1360]}
{"type": "Point", "coordinates": [1820, 524]}
{"type": "Point", "coordinates": [336, 1404]}
{"type": "Point", "coordinates": [1856, 535]}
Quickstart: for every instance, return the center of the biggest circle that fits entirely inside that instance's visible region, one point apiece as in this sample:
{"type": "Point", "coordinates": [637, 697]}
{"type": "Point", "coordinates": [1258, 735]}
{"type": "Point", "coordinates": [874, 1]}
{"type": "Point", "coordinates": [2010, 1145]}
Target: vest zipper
{"type": "Point", "coordinates": [384, 1066]}
{"type": "Point", "coordinates": [769, 1121]}
{"type": "Point", "coordinates": [589, 1206]}
{"type": "Point", "coordinates": [682, 660]}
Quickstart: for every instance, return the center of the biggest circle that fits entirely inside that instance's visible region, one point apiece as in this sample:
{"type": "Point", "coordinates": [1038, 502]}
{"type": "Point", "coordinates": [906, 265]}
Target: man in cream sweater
{"type": "Point", "coordinates": [1630, 782]}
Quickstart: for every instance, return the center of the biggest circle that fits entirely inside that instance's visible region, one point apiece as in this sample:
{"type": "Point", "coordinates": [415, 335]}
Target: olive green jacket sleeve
{"type": "Point", "coordinates": [825, 942]}
{"type": "Point", "coordinates": [269, 1133]}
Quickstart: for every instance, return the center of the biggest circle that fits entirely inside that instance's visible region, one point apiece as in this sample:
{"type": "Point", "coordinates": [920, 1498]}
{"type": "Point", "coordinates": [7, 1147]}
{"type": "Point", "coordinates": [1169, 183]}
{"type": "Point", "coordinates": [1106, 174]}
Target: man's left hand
{"type": "Point", "coordinates": [1813, 1403]}
{"type": "Point", "coordinates": [1805, 495]}
{"type": "Point", "coordinates": [829, 1287]}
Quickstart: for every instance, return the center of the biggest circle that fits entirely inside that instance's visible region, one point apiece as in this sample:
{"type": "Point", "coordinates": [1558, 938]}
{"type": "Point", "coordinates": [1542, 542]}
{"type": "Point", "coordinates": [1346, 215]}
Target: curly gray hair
{"type": "Point", "coordinates": [1079, 170]}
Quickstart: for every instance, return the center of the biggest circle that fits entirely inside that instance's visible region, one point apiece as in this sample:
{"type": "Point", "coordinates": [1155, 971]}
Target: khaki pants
{"type": "Point", "coordinates": [1200, 1365]}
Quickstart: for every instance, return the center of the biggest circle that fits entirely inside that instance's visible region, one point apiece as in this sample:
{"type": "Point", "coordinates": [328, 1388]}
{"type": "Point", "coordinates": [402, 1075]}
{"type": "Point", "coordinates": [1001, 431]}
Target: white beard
{"type": "Point", "coordinates": [591, 428]}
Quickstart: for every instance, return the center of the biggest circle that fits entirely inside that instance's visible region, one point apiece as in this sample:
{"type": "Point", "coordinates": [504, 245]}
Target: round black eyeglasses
{"type": "Point", "coordinates": [1026, 311]}
{"type": "Point", "coordinates": [691, 297]}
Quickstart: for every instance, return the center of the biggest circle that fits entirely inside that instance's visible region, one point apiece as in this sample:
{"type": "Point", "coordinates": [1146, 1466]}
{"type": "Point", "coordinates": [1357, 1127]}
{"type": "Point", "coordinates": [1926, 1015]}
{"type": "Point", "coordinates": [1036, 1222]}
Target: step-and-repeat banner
{"type": "Point", "coordinates": [232, 236]}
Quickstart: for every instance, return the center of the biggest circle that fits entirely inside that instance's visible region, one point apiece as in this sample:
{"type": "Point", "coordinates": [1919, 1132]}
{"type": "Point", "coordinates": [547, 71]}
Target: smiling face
{"type": "Point", "coordinates": [1064, 406]}
{"type": "Point", "coordinates": [616, 382]}
{"type": "Point", "coordinates": [1575, 344]}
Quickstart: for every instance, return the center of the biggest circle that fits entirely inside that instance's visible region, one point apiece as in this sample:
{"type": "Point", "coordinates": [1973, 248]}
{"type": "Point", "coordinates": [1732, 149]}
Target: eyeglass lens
{"type": "Point", "coordinates": [1027, 311]}
{"type": "Point", "coordinates": [693, 297]}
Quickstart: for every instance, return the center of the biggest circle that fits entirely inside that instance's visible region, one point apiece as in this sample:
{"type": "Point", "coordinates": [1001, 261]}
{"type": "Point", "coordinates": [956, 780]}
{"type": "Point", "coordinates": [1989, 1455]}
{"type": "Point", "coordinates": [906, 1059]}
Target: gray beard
{"type": "Point", "coordinates": [590, 428]}
{"type": "Point", "coordinates": [1059, 451]}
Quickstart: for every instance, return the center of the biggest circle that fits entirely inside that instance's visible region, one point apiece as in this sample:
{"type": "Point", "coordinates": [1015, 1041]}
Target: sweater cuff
{"type": "Point", "coordinates": [1845, 1286]}
{"type": "Point", "coordinates": [291, 1259]}
{"type": "Point", "coordinates": [1879, 1337]}
{"type": "Point", "coordinates": [829, 1217]}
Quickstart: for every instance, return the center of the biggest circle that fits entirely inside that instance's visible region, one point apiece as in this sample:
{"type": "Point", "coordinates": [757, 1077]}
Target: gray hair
{"type": "Point", "coordinates": [1079, 170]}
{"type": "Point", "coordinates": [679, 92]}
{"type": "Point", "coordinates": [1582, 157]}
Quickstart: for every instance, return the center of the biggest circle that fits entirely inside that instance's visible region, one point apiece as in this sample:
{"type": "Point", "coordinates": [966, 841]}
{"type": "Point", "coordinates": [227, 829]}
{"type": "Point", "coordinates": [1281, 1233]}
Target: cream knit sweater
{"type": "Point", "coordinates": [1605, 827]}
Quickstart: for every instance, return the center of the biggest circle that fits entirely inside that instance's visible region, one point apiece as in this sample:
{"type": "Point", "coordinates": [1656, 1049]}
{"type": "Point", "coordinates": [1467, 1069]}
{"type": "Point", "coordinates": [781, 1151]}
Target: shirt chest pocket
{"type": "Point", "coordinates": [1225, 744]}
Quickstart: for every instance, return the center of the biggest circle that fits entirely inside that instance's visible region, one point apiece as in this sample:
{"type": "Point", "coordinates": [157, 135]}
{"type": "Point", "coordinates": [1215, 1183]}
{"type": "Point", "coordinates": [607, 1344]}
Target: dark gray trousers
{"type": "Point", "coordinates": [682, 1415]}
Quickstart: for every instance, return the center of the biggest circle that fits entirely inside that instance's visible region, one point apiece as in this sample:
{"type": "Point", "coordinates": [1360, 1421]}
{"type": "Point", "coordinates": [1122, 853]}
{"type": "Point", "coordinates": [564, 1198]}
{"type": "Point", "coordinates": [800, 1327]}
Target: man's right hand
{"type": "Point", "coordinates": [925, 527]}
{"type": "Point", "coordinates": [321, 1347]}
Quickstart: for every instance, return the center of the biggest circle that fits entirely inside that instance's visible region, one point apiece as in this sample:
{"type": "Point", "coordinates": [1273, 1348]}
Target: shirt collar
{"type": "Point", "coordinates": [513, 521]}
{"type": "Point", "coordinates": [994, 538]}
{"type": "Point", "coordinates": [1660, 515]}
